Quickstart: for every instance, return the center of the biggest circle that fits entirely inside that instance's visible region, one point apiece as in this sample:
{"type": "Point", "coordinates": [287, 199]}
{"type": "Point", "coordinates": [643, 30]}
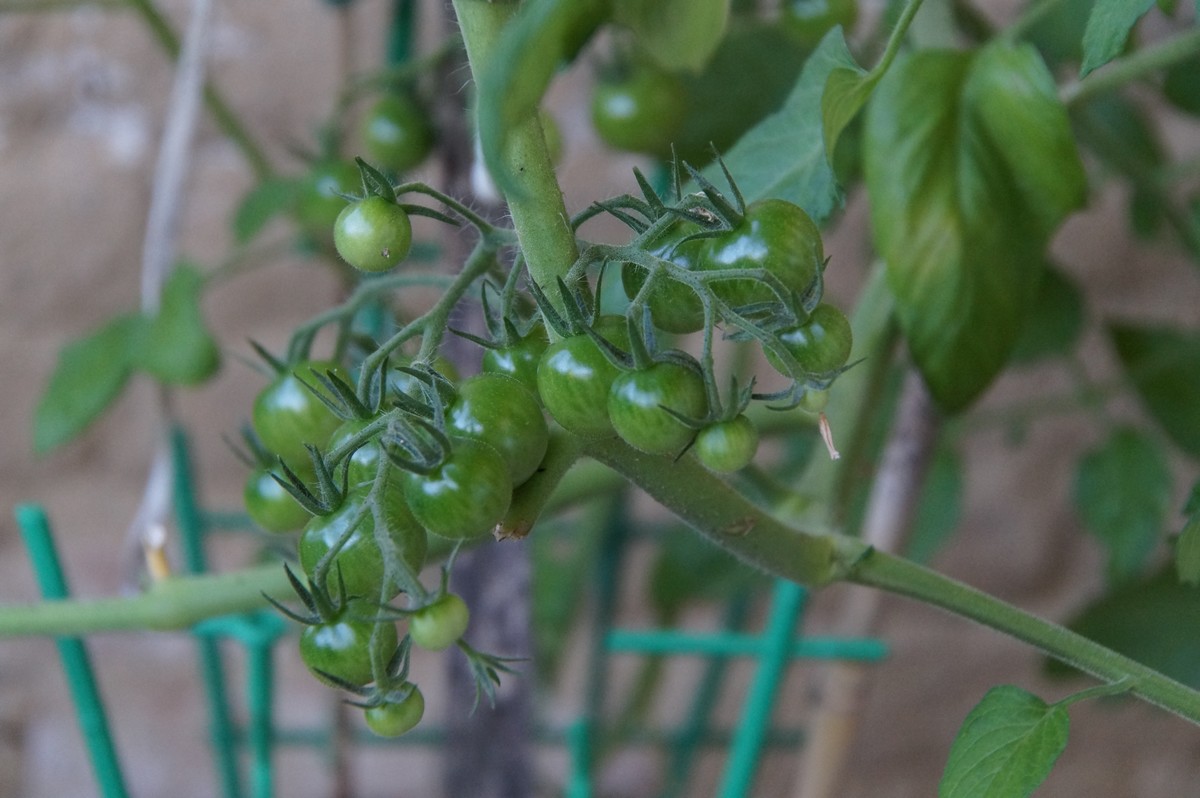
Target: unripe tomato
{"type": "Point", "coordinates": [287, 415]}
{"type": "Point", "coordinates": [359, 560]}
{"type": "Point", "coordinates": [642, 112]}
{"type": "Point", "coordinates": [466, 496]}
{"type": "Point", "coordinates": [775, 235]}
{"type": "Point", "coordinates": [638, 403]}
{"type": "Point", "coordinates": [441, 624]}
{"type": "Point", "coordinates": [520, 359]}
{"type": "Point", "coordinates": [674, 307]}
{"type": "Point", "coordinates": [342, 649]}
{"type": "Point", "coordinates": [394, 718]}
{"type": "Point", "coordinates": [820, 345]}
{"type": "Point", "coordinates": [574, 378]}
{"type": "Point", "coordinates": [397, 133]}
{"type": "Point", "coordinates": [502, 413]}
{"type": "Point", "coordinates": [372, 234]}
{"type": "Point", "coordinates": [727, 446]}
{"type": "Point", "coordinates": [270, 506]}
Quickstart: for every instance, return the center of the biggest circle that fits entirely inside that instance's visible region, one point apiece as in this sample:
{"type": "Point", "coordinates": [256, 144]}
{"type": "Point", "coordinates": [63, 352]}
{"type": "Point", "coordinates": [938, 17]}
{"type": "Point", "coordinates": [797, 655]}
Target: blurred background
{"type": "Point", "coordinates": [83, 91]}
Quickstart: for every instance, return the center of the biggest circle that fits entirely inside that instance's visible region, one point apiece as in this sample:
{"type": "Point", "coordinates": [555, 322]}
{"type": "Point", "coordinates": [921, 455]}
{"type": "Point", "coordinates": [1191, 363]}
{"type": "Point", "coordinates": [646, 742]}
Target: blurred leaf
{"type": "Point", "coordinates": [1181, 86]}
{"type": "Point", "coordinates": [562, 555]}
{"type": "Point", "coordinates": [268, 199]}
{"type": "Point", "coordinates": [176, 346]}
{"type": "Point", "coordinates": [1120, 132]}
{"type": "Point", "coordinates": [1153, 621]}
{"type": "Point", "coordinates": [1058, 33]}
{"type": "Point", "coordinates": [90, 374]}
{"type": "Point", "coordinates": [971, 164]}
{"type": "Point", "coordinates": [784, 156]}
{"type": "Point", "coordinates": [1055, 320]}
{"type": "Point", "coordinates": [1122, 491]}
{"type": "Point", "coordinates": [1187, 552]}
{"type": "Point", "coordinates": [688, 568]}
{"type": "Point", "coordinates": [940, 508]}
{"type": "Point", "coordinates": [677, 34]}
{"type": "Point", "coordinates": [1006, 747]}
{"type": "Point", "coordinates": [846, 91]}
{"type": "Point", "coordinates": [1164, 366]}
{"type": "Point", "coordinates": [749, 77]}
{"type": "Point", "coordinates": [1147, 210]}
{"type": "Point", "coordinates": [1108, 28]}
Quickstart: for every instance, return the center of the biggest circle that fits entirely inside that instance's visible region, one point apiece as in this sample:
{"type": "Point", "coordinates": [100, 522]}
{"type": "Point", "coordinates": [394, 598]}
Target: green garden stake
{"type": "Point", "coordinates": [212, 670]}
{"type": "Point", "coordinates": [400, 36]}
{"type": "Point", "coordinates": [787, 601]}
{"type": "Point", "coordinates": [89, 706]}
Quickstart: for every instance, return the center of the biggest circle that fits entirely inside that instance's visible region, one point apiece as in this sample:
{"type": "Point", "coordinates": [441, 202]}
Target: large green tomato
{"type": "Point", "coordinates": [319, 203]}
{"type": "Point", "coordinates": [342, 649]}
{"type": "Point", "coordinates": [466, 496]}
{"type": "Point", "coordinates": [373, 234]}
{"type": "Point", "coordinates": [394, 718]}
{"type": "Point", "coordinates": [502, 413]}
{"type": "Point", "coordinates": [674, 306]}
{"type": "Point", "coordinates": [397, 133]}
{"type": "Point", "coordinates": [775, 235]}
{"type": "Point", "coordinates": [639, 401]}
{"type": "Point", "coordinates": [642, 112]}
{"type": "Point", "coordinates": [270, 506]}
{"type": "Point", "coordinates": [287, 415]}
{"type": "Point", "coordinates": [820, 345]}
{"type": "Point", "coordinates": [441, 624]}
{"type": "Point", "coordinates": [574, 378]}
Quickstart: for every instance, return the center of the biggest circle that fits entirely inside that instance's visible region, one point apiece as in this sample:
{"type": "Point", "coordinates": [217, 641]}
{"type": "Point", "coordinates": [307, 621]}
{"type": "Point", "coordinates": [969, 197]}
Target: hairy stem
{"type": "Point", "coordinates": [1133, 66]}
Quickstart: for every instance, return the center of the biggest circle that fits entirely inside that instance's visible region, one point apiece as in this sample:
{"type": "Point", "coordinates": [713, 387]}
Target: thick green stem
{"type": "Point", "coordinates": [721, 514]}
{"type": "Point", "coordinates": [878, 569]}
{"type": "Point", "coordinates": [176, 603]}
{"type": "Point", "coordinates": [539, 213]}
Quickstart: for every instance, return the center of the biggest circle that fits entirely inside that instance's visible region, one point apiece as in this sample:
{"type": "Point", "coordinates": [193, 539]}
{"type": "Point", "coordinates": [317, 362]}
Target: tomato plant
{"type": "Point", "coordinates": [270, 506]}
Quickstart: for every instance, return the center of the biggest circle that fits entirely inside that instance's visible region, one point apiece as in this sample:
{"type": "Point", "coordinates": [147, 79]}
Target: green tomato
{"type": "Point", "coordinates": [638, 406]}
{"type": "Point", "coordinates": [774, 235]}
{"type": "Point", "coordinates": [319, 203]}
{"type": "Point", "coordinates": [820, 345]}
{"type": "Point", "coordinates": [342, 649]}
{"type": "Point", "coordinates": [520, 359]}
{"type": "Point", "coordinates": [364, 463]}
{"type": "Point", "coordinates": [574, 378]}
{"type": "Point", "coordinates": [441, 624]}
{"type": "Point", "coordinates": [643, 112]}
{"type": "Point", "coordinates": [359, 560]}
{"type": "Point", "coordinates": [727, 446]}
{"type": "Point", "coordinates": [502, 413]}
{"type": "Point", "coordinates": [397, 133]}
{"type": "Point", "coordinates": [372, 234]}
{"type": "Point", "coordinates": [402, 382]}
{"type": "Point", "coordinates": [466, 496]}
{"type": "Point", "coordinates": [270, 506]}
{"type": "Point", "coordinates": [287, 415]}
{"type": "Point", "coordinates": [394, 718]}
{"type": "Point", "coordinates": [674, 306]}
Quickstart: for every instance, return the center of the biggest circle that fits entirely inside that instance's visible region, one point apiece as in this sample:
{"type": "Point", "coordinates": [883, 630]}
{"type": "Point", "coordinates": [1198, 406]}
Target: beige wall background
{"type": "Point", "coordinates": [82, 96]}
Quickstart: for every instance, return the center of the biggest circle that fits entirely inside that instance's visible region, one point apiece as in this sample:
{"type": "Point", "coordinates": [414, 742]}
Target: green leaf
{"type": "Point", "coordinates": [1058, 32]}
{"type": "Point", "coordinates": [846, 92]}
{"type": "Point", "coordinates": [176, 347]}
{"type": "Point", "coordinates": [1122, 491]}
{"type": "Point", "coordinates": [1108, 28]}
{"type": "Point", "coordinates": [970, 165]}
{"type": "Point", "coordinates": [90, 374]}
{"type": "Point", "coordinates": [749, 77]}
{"type": "Point", "coordinates": [1055, 320]}
{"type": "Point", "coordinates": [940, 508]}
{"type": "Point", "coordinates": [784, 156]}
{"type": "Point", "coordinates": [1164, 366]}
{"type": "Point", "coordinates": [268, 199]}
{"type": "Point", "coordinates": [677, 34]}
{"type": "Point", "coordinates": [1006, 747]}
{"type": "Point", "coordinates": [541, 37]}
{"type": "Point", "coordinates": [1153, 621]}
